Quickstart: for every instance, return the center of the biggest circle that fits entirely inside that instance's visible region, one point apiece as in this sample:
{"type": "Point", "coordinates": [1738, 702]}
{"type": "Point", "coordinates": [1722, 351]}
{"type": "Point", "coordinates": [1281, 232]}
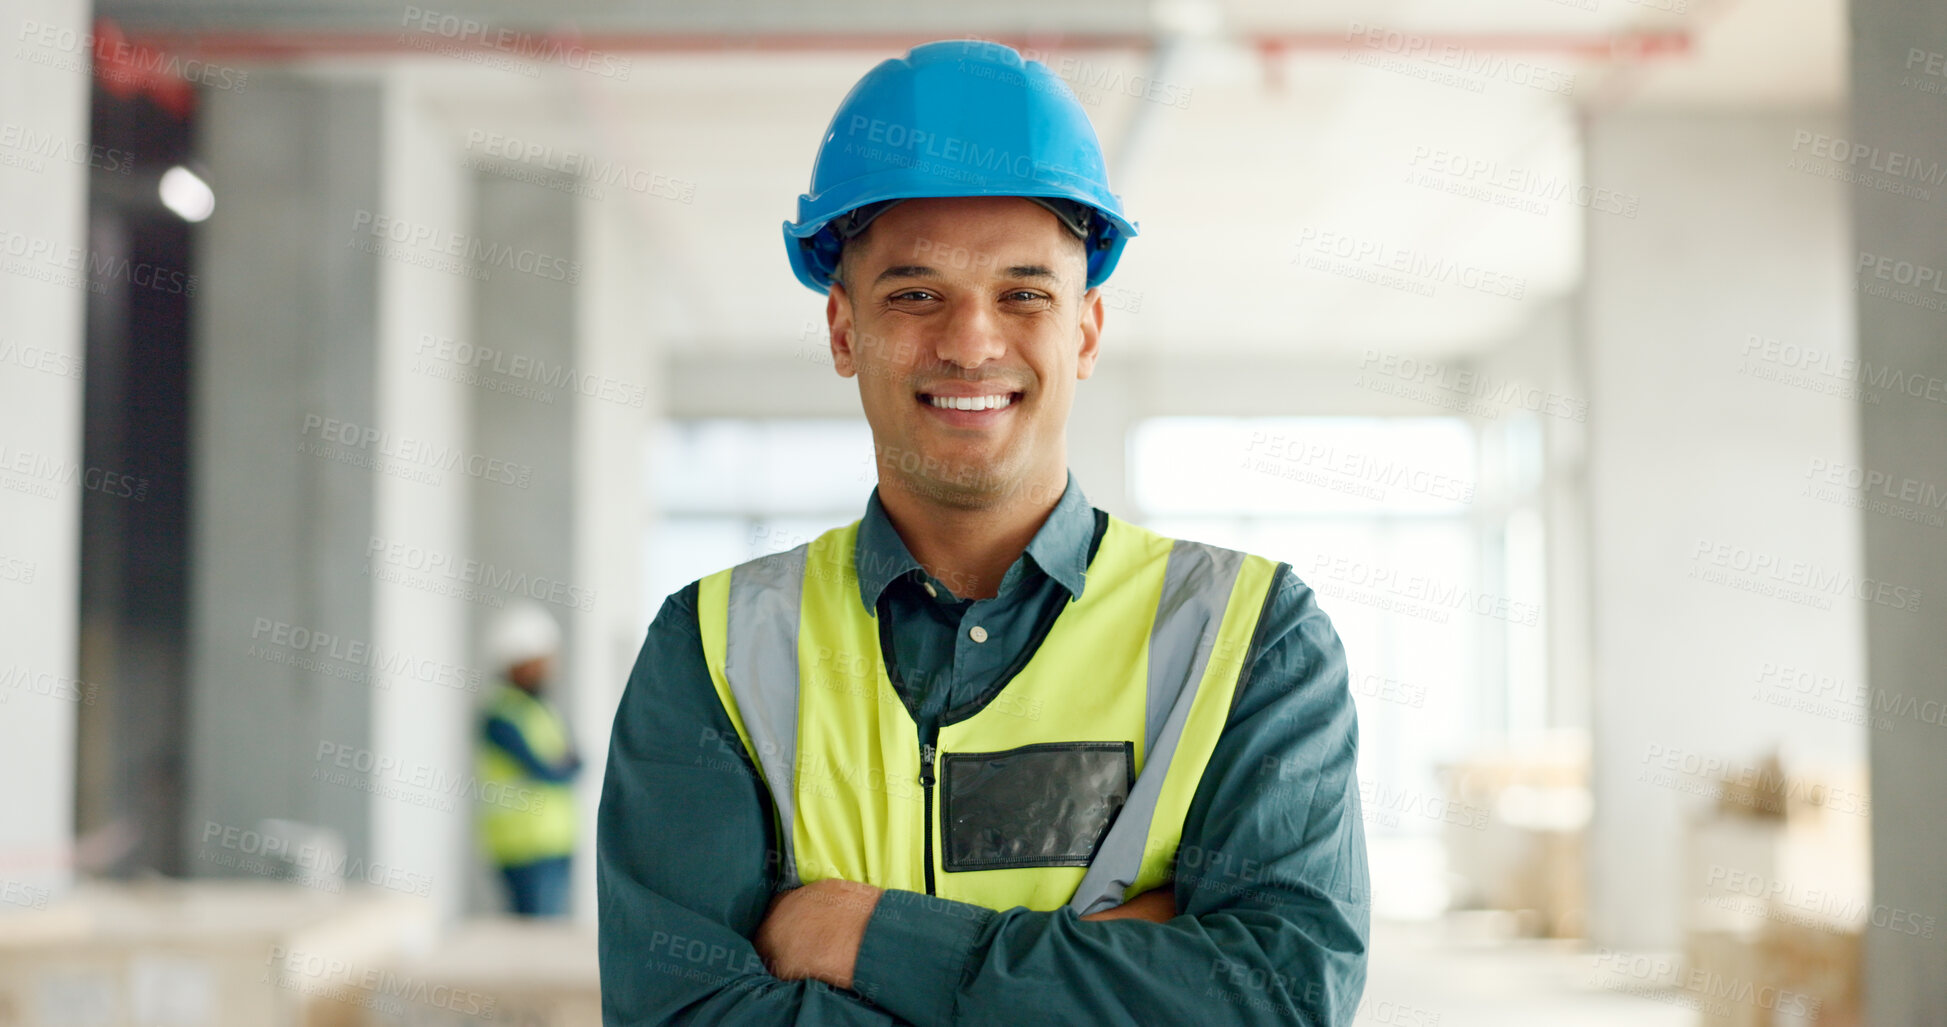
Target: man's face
{"type": "Point", "coordinates": [958, 302]}
{"type": "Point", "coordinates": [532, 675]}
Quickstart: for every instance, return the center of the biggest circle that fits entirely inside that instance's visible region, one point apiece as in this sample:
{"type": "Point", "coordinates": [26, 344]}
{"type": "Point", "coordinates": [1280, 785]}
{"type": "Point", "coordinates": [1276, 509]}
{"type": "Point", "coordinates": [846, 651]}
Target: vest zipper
{"type": "Point", "coordinates": [926, 786]}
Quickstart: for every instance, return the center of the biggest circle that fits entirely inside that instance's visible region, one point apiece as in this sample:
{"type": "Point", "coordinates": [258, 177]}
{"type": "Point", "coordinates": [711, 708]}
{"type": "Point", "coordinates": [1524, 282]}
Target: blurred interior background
{"type": "Point", "coordinates": [1582, 354]}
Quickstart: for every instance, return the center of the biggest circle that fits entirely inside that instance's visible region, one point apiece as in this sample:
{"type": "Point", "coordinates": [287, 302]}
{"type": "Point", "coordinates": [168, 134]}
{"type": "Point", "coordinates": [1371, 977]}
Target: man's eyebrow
{"type": "Point", "coordinates": [906, 271]}
{"type": "Point", "coordinates": [897, 271]}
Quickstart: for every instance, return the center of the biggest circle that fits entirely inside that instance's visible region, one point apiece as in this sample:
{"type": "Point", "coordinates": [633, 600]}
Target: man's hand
{"type": "Point", "coordinates": [1156, 906]}
{"type": "Point", "coordinates": [814, 931]}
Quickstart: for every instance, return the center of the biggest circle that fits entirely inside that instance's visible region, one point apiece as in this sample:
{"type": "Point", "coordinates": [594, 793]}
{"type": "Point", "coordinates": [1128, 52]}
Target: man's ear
{"type": "Point", "coordinates": [838, 322]}
{"type": "Point", "coordinates": [1091, 327]}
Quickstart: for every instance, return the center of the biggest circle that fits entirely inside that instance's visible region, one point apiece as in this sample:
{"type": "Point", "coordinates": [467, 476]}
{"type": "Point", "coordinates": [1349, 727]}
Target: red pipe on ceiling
{"type": "Point", "coordinates": [266, 45]}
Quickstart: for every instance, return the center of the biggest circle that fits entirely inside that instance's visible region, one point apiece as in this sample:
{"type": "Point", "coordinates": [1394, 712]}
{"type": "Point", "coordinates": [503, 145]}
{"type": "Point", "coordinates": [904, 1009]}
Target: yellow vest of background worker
{"type": "Point", "coordinates": [1069, 787]}
{"type": "Point", "coordinates": [522, 819]}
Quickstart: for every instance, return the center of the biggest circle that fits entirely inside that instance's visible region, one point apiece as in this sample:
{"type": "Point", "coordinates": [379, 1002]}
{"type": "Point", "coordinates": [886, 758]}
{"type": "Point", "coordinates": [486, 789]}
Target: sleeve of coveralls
{"type": "Point", "coordinates": [683, 870]}
{"type": "Point", "coordinates": [1270, 884]}
{"type": "Point", "coordinates": [502, 733]}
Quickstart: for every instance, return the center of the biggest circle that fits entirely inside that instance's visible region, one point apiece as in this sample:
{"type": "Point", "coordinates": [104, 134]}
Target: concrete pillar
{"type": "Point", "coordinates": [44, 273]}
{"type": "Point", "coordinates": [422, 502]}
{"type": "Point", "coordinates": [524, 414]}
{"type": "Point", "coordinates": [285, 353]}
{"type": "Point", "coordinates": [1899, 252]}
{"type": "Point", "coordinates": [329, 658]}
{"type": "Point", "coordinates": [528, 321]}
{"type": "Point", "coordinates": [1699, 442]}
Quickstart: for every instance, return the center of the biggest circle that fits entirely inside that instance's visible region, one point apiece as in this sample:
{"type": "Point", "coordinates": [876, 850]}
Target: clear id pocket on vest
{"type": "Point", "coordinates": [1044, 805]}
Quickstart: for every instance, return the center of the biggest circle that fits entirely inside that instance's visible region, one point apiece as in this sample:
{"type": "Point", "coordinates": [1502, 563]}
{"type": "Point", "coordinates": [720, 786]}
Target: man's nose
{"type": "Point", "coordinates": [972, 337]}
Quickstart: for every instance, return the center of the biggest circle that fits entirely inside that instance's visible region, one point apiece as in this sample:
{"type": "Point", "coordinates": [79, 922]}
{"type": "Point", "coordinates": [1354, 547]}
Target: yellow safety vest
{"type": "Point", "coordinates": [1068, 787]}
{"type": "Point", "coordinates": [523, 820]}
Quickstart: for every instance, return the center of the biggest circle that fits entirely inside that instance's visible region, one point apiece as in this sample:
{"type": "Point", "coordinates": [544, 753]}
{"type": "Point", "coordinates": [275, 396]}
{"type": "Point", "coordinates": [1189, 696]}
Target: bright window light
{"type": "Point", "coordinates": [1404, 466]}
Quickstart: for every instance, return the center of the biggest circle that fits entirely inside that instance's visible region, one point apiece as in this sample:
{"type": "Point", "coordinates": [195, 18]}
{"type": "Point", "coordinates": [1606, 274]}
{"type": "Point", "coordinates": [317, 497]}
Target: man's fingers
{"type": "Point", "coordinates": [1156, 905]}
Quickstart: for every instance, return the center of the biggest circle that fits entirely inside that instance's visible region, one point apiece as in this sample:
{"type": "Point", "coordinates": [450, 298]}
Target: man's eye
{"type": "Point", "coordinates": [911, 294]}
{"type": "Point", "coordinates": [1025, 296]}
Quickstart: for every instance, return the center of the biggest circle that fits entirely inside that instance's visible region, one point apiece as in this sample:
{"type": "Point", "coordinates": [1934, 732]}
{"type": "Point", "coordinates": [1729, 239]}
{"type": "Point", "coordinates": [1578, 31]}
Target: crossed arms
{"type": "Point", "coordinates": [814, 932]}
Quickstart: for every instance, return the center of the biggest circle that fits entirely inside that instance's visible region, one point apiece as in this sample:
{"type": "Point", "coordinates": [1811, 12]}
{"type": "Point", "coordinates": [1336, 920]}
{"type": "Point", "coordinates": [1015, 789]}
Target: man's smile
{"type": "Point", "coordinates": [969, 408]}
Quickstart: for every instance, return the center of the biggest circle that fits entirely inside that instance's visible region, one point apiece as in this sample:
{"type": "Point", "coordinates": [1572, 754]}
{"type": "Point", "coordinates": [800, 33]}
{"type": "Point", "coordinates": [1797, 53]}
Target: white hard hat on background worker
{"type": "Point", "coordinates": [523, 631]}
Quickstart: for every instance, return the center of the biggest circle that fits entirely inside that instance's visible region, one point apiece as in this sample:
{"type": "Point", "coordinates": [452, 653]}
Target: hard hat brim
{"type": "Point", "coordinates": [814, 250]}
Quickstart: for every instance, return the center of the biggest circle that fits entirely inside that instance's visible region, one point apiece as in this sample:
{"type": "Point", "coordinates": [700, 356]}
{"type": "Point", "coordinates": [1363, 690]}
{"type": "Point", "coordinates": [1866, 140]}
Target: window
{"type": "Point", "coordinates": [727, 490]}
{"type": "Point", "coordinates": [1425, 555]}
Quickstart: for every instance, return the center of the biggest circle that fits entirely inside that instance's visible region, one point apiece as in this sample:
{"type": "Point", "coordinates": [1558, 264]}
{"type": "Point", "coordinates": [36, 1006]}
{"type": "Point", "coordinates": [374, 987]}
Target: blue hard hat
{"type": "Point", "coordinates": [956, 118]}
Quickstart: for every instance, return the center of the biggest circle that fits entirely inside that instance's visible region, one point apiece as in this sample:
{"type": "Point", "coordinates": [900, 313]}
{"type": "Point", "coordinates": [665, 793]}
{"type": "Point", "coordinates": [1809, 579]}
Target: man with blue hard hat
{"type": "Point", "coordinates": [986, 754]}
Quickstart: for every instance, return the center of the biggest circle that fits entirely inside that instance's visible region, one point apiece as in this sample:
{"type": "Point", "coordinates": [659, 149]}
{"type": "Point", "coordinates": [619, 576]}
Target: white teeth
{"type": "Point", "coordinates": [972, 402]}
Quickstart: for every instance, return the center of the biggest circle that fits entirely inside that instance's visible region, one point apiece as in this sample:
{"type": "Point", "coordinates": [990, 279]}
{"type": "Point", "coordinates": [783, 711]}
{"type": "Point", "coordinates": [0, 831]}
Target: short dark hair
{"type": "Point", "coordinates": [842, 271]}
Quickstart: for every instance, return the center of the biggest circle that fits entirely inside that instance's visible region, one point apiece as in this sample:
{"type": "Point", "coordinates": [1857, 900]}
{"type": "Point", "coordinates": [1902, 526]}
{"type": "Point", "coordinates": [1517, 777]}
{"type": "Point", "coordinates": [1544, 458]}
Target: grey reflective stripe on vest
{"type": "Point", "coordinates": [760, 663]}
{"type": "Point", "coordinates": [1196, 589]}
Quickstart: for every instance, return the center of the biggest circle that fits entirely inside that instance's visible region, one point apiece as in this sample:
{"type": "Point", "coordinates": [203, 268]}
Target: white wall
{"type": "Point", "coordinates": [1688, 447]}
{"type": "Point", "coordinates": [614, 341]}
{"type": "Point", "coordinates": [417, 722]}
{"type": "Point", "coordinates": [43, 274]}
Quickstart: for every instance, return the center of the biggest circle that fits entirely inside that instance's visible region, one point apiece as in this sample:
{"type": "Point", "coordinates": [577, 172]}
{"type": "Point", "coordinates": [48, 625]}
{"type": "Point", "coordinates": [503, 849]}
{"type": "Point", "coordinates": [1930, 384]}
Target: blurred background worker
{"type": "Point", "coordinates": [527, 765]}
